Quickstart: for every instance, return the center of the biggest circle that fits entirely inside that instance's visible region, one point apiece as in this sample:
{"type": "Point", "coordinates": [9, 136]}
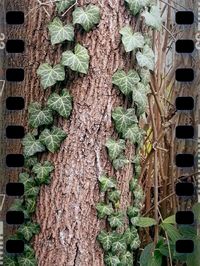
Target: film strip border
{"type": "Point", "coordinates": [182, 132]}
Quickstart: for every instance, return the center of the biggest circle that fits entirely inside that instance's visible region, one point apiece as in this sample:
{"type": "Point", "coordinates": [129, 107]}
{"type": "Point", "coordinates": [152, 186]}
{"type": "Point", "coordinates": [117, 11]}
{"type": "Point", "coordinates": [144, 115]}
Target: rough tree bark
{"type": "Point", "coordinates": [66, 208]}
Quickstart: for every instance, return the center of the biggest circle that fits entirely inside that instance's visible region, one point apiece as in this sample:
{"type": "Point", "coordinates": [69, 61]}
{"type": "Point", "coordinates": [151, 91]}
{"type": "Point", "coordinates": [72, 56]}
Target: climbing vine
{"type": "Point", "coordinates": [44, 135]}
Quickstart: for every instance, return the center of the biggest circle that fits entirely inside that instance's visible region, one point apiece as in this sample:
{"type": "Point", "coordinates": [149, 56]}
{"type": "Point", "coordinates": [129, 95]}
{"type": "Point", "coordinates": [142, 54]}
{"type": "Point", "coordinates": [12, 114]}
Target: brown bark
{"type": "Point", "coordinates": [66, 208]}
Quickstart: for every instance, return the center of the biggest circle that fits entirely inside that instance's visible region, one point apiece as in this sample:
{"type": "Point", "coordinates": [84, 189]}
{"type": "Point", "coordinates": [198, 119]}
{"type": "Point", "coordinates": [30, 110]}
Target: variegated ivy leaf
{"type": "Point", "coordinates": [116, 220]}
{"type": "Point", "coordinates": [87, 17]}
{"type": "Point", "coordinates": [38, 116]}
{"type": "Point", "coordinates": [126, 259]}
{"type": "Point", "coordinates": [77, 61]}
{"type": "Point", "coordinates": [61, 103]}
{"type": "Point", "coordinates": [125, 81]}
{"type": "Point", "coordinates": [146, 58]}
{"type": "Point", "coordinates": [119, 246]}
{"type": "Point", "coordinates": [28, 230]}
{"type": "Point", "coordinates": [30, 161]}
{"type": "Point", "coordinates": [145, 76]}
{"type": "Point", "coordinates": [130, 234]}
{"type": "Point", "coordinates": [105, 240]}
{"type": "Point", "coordinates": [63, 5]}
{"type": "Point", "coordinates": [133, 211]}
{"type": "Point", "coordinates": [9, 261]}
{"type": "Point", "coordinates": [25, 179]}
{"type": "Point", "coordinates": [139, 98]}
{"type": "Point", "coordinates": [52, 138]}
{"type": "Point", "coordinates": [112, 260]}
{"type": "Point", "coordinates": [123, 118]}
{"type": "Point", "coordinates": [115, 148]}
{"type": "Point", "coordinates": [50, 75]}
{"type": "Point", "coordinates": [120, 162]}
{"type": "Point", "coordinates": [114, 196]}
{"type": "Point", "coordinates": [106, 183]}
{"type": "Point", "coordinates": [42, 172]}
{"type": "Point", "coordinates": [135, 6]}
{"type": "Point", "coordinates": [135, 244]}
{"type": "Point", "coordinates": [32, 145]}
{"type": "Point", "coordinates": [31, 190]}
{"type": "Point", "coordinates": [27, 260]}
{"type": "Point", "coordinates": [17, 205]}
{"type": "Point", "coordinates": [153, 18]}
{"type": "Point", "coordinates": [104, 210]}
{"type": "Point", "coordinates": [30, 205]}
{"type": "Point", "coordinates": [132, 133]}
{"type": "Point", "coordinates": [131, 40]}
{"type": "Point", "coordinates": [60, 33]}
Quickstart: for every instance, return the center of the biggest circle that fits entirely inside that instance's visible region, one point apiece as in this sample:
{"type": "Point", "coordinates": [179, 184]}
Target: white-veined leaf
{"type": "Point", "coordinates": [111, 260]}
{"type": "Point", "coordinates": [135, 6]}
{"type": "Point", "coordinates": [139, 98]}
{"type": "Point", "coordinates": [77, 61]}
{"type": "Point", "coordinates": [153, 18]}
{"type": "Point", "coordinates": [124, 81]}
{"type": "Point", "coordinates": [146, 58]}
{"type": "Point", "coordinates": [28, 230]}
{"type": "Point", "coordinates": [27, 260]}
{"type": "Point", "coordinates": [31, 145]}
{"type": "Point", "coordinates": [145, 76]}
{"type": "Point", "coordinates": [50, 75]}
{"type": "Point", "coordinates": [126, 259]}
{"type": "Point", "coordinates": [38, 116]}
{"type": "Point", "coordinates": [133, 211]}
{"type": "Point", "coordinates": [130, 234]}
{"type": "Point", "coordinates": [131, 133]}
{"type": "Point", "coordinates": [9, 261]}
{"type": "Point", "coordinates": [105, 239]}
{"type": "Point", "coordinates": [42, 172]}
{"type": "Point", "coordinates": [116, 220]}
{"type": "Point", "coordinates": [119, 246]}
{"type": "Point", "coordinates": [135, 244]}
{"type": "Point", "coordinates": [63, 5]}
{"type": "Point", "coordinates": [106, 183]}
{"type": "Point", "coordinates": [87, 17]}
{"type": "Point", "coordinates": [120, 162]}
{"type": "Point", "coordinates": [104, 210]}
{"type": "Point", "coordinates": [115, 148]}
{"type": "Point", "coordinates": [114, 195]}
{"type": "Point", "coordinates": [30, 204]}
{"type": "Point", "coordinates": [131, 40]}
{"type": "Point", "coordinates": [60, 33]}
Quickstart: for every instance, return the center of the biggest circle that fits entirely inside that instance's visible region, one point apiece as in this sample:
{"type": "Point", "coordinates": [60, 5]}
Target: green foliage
{"type": "Point", "coordinates": [146, 222]}
{"type": "Point", "coordinates": [32, 145]}
{"type": "Point", "coordinates": [42, 172]}
{"type": "Point", "coordinates": [106, 183]}
{"type": "Point", "coordinates": [30, 161]}
{"type": "Point", "coordinates": [77, 61]}
{"type": "Point", "coordinates": [120, 162]}
{"type": "Point", "coordinates": [131, 40]}
{"type": "Point", "coordinates": [10, 261]}
{"type": "Point", "coordinates": [153, 18]}
{"type": "Point", "coordinates": [115, 148]}
{"type": "Point", "coordinates": [133, 211]}
{"type": "Point", "coordinates": [125, 82]}
{"type": "Point", "coordinates": [119, 246]}
{"type": "Point", "coordinates": [38, 116]}
{"type": "Point", "coordinates": [111, 260]}
{"type": "Point", "coordinates": [87, 17]}
{"type": "Point", "coordinates": [60, 33]}
{"type": "Point", "coordinates": [132, 133]}
{"type": "Point", "coordinates": [116, 220]}
{"type": "Point", "coordinates": [30, 205]}
{"type": "Point", "coordinates": [27, 260]}
{"type": "Point", "coordinates": [28, 230]}
{"type": "Point", "coordinates": [139, 98]}
{"type": "Point", "coordinates": [50, 75]}
{"type": "Point", "coordinates": [52, 138]}
{"type": "Point", "coordinates": [114, 196]}
{"type": "Point", "coordinates": [126, 259]}
{"type": "Point", "coordinates": [130, 235]}
{"type": "Point", "coordinates": [63, 5]}
{"type": "Point", "coordinates": [104, 210]}
{"type": "Point", "coordinates": [146, 58]}
{"type": "Point", "coordinates": [105, 240]}
{"type": "Point", "coordinates": [146, 254]}
{"type": "Point", "coordinates": [171, 231]}
{"type": "Point", "coordinates": [136, 6]}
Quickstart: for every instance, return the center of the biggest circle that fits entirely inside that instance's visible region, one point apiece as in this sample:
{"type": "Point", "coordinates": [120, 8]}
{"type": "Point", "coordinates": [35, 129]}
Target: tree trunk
{"type": "Point", "coordinates": [66, 208]}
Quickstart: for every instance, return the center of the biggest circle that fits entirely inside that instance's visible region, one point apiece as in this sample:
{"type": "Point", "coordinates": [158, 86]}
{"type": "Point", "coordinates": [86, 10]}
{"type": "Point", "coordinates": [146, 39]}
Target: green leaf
{"type": "Point", "coordinates": [38, 116]}
{"type": "Point", "coordinates": [17, 205]}
{"type": "Point", "coordinates": [104, 210]}
{"type": "Point", "coordinates": [127, 259]}
{"type": "Point", "coordinates": [114, 196]}
{"type": "Point", "coordinates": [77, 61]}
{"type": "Point", "coordinates": [133, 184]}
{"type": "Point", "coordinates": [171, 231]}
{"type": "Point", "coordinates": [120, 162]}
{"type": "Point", "coordinates": [132, 133]}
{"type": "Point", "coordinates": [133, 211]}
{"type": "Point", "coordinates": [31, 190]}
{"type": "Point", "coordinates": [42, 172]}
{"type": "Point", "coordinates": [30, 205]}
{"type": "Point", "coordinates": [153, 18]}
{"type": "Point", "coordinates": [146, 222]}
{"type": "Point", "coordinates": [105, 240]}
{"type": "Point", "coordinates": [60, 33]}
{"type": "Point", "coordinates": [63, 5]}
{"type": "Point", "coordinates": [27, 260]}
{"type": "Point", "coordinates": [196, 211]}
{"type": "Point", "coordinates": [111, 260]}
{"type": "Point", "coordinates": [9, 261]}
{"type": "Point", "coordinates": [28, 230]}
{"type": "Point", "coordinates": [25, 179]}
{"type": "Point", "coordinates": [31, 145]}
{"type": "Point", "coordinates": [135, 244]}
{"type": "Point", "coordinates": [146, 58]}
{"type": "Point", "coordinates": [130, 234]}
{"type": "Point", "coordinates": [156, 259]}
{"type": "Point", "coordinates": [50, 75]}
{"type": "Point", "coordinates": [125, 81]}
{"type": "Point", "coordinates": [170, 220]}
{"type": "Point", "coordinates": [131, 40]}
{"type": "Point", "coordinates": [146, 254]}
{"type": "Point", "coordinates": [106, 183]}
{"type": "Point", "coordinates": [30, 161]}
{"type": "Point", "coordinates": [119, 246]}
{"type": "Point", "coordinates": [61, 103]}
{"type": "Point", "coordinates": [116, 220]}
{"type": "Point", "coordinates": [135, 6]}
{"type": "Point", "coordinates": [145, 76]}
{"type": "Point", "coordinates": [194, 258]}
{"type": "Point", "coordinates": [52, 138]}
{"type": "Point", "coordinates": [115, 148]}
{"type": "Point", "coordinates": [187, 231]}
{"type": "Point", "coordinates": [87, 17]}
{"type": "Point", "coordinates": [123, 118]}
{"type": "Point", "coordinates": [139, 98]}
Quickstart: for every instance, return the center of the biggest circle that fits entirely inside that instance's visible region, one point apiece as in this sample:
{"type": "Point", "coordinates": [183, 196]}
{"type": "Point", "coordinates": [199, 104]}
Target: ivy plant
{"type": "Point", "coordinates": [131, 40]}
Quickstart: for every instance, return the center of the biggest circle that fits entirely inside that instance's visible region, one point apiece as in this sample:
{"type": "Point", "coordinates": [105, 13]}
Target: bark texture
{"type": "Point", "coordinates": [66, 208]}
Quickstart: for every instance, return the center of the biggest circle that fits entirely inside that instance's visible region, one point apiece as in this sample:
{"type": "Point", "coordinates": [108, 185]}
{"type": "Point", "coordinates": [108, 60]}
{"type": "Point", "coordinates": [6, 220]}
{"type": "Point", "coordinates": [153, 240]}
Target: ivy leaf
{"type": "Point", "coordinates": [38, 116]}
{"type": "Point", "coordinates": [25, 179]}
{"type": "Point", "coordinates": [153, 18]}
{"type": "Point", "coordinates": [63, 5]}
{"type": "Point", "coordinates": [127, 259]}
{"type": "Point", "coordinates": [146, 58]}
{"type": "Point", "coordinates": [30, 204]}
{"type": "Point", "coordinates": [119, 246]}
{"type": "Point", "coordinates": [125, 81]}
{"type": "Point", "coordinates": [123, 118]}
{"type": "Point", "coordinates": [139, 97]}
{"type": "Point", "coordinates": [28, 230]}
{"type": "Point", "coordinates": [17, 205]}
{"type": "Point", "coordinates": [131, 40]}
{"type": "Point", "coordinates": [106, 183]}
{"type": "Point", "coordinates": [114, 196]}
{"type": "Point", "coordinates": [105, 239]}
{"type": "Point", "coordinates": [52, 138]}
{"type": "Point", "coordinates": [31, 145]}
{"type": "Point", "coordinates": [9, 261]}
{"type": "Point", "coordinates": [30, 161]}
{"type": "Point", "coordinates": [61, 103]}
{"type": "Point", "coordinates": [27, 260]}
{"type": "Point", "coordinates": [133, 211]}
{"type": "Point", "coordinates": [43, 172]}
{"type": "Point", "coordinates": [104, 210]}
{"type": "Point", "coordinates": [135, 244]}
{"type": "Point", "coordinates": [131, 133]}
{"type": "Point", "coordinates": [116, 220]}
{"type": "Point", "coordinates": [60, 33]}
{"type": "Point", "coordinates": [145, 75]}
{"type": "Point", "coordinates": [112, 260]}
{"type": "Point", "coordinates": [87, 17]}
{"type": "Point", "coordinates": [129, 235]}
{"type": "Point", "coordinates": [115, 148]}
{"type": "Point", "coordinates": [146, 222]}
{"type": "Point", "coordinates": [31, 190]}
{"type": "Point", "coordinates": [77, 61]}
{"type": "Point", "coordinates": [50, 75]}
{"type": "Point", "coordinates": [135, 6]}
{"type": "Point", "coordinates": [120, 162]}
